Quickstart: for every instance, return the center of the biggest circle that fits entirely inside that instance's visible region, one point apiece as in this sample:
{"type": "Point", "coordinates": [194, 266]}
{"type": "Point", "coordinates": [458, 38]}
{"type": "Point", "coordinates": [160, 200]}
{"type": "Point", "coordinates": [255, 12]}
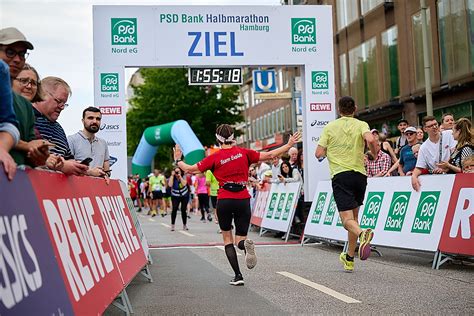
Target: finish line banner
{"type": "Point", "coordinates": [280, 206]}
{"type": "Point", "coordinates": [399, 216]}
{"type": "Point", "coordinates": [71, 240]}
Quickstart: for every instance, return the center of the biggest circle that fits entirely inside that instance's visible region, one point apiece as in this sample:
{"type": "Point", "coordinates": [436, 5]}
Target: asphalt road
{"type": "Point", "coordinates": [191, 275]}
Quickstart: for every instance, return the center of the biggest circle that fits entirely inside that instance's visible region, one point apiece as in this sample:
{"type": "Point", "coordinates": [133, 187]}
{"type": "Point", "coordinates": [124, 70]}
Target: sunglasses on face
{"type": "Point", "coordinates": [409, 134]}
{"type": "Point", "coordinates": [432, 125]}
{"type": "Point", "coordinates": [11, 53]}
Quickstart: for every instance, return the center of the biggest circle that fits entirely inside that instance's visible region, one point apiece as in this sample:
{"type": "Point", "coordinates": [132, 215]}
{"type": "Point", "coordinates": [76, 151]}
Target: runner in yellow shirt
{"type": "Point", "coordinates": [342, 142]}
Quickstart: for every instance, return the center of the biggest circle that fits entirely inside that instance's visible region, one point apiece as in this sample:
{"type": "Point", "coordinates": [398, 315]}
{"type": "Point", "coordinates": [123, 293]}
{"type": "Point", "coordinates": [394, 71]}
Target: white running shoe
{"type": "Point", "coordinates": [250, 256]}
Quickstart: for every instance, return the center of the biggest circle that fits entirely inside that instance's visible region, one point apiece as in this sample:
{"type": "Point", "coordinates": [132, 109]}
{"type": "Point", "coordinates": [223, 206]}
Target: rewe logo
{"type": "Point", "coordinates": [303, 30]}
{"type": "Point", "coordinates": [425, 212]}
{"type": "Point", "coordinates": [462, 214]}
{"type": "Point", "coordinates": [320, 107]}
{"type": "Point", "coordinates": [109, 82]}
{"type": "Point", "coordinates": [372, 210]}
{"type": "Point", "coordinates": [319, 80]}
{"type": "Point", "coordinates": [124, 31]}
{"type": "Point", "coordinates": [397, 211]}
{"type": "Point", "coordinates": [111, 110]}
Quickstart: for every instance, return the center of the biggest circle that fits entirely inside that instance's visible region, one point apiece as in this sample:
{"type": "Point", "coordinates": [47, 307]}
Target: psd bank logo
{"type": "Point", "coordinates": [109, 82]}
{"type": "Point", "coordinates": [124, 31]}
{"type": "Point", "coordinates": [319, 80]}
{"type": "Point", "coordinates": [303, 30]}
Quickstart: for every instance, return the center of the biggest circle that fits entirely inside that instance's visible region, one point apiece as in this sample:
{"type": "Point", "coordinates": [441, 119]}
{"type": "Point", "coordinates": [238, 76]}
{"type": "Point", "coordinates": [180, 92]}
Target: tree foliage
{"type": "Point", "coordinates": [166, 96]}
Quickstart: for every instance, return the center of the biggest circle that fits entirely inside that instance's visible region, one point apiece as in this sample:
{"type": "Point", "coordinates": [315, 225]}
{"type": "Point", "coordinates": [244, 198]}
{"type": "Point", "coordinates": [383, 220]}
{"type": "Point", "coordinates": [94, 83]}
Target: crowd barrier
{"type": "Point", "coordinates": [280, 206]}
{"type": "Point", "coordinates": [438, 218]}
{"type": "Point", "coordinates": [68, 244]}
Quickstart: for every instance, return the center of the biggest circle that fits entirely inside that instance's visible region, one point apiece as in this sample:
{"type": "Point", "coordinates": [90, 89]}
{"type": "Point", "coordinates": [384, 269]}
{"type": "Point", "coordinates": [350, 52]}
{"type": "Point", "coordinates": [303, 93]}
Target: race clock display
{"type": "Point", "coordinates": [215, 76]}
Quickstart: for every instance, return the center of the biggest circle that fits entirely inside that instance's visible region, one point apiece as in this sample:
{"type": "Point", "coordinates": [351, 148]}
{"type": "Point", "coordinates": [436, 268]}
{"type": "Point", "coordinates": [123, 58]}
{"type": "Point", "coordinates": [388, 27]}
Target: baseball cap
{"type": "Point", "coordinates": [410, 129]}
{"type": "Point", "coordinates": [12, 35]}
{"type": "Point", "coordinates": [374, 130]}
{"type": "Point", "coordinates": [268, 173]}
{"type": "Point", "coordinates": [402, 121]}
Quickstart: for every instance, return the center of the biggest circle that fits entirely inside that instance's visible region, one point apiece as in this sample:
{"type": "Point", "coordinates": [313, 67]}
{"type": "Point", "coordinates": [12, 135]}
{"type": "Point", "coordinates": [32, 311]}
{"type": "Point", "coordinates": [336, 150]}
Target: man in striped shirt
{"type": "Point", "coordinates": [55, 93]}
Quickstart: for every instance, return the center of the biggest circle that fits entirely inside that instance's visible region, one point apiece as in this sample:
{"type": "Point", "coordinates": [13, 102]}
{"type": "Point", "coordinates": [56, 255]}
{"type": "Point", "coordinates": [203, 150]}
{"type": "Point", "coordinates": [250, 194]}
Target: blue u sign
{"type": "Point", "coordinates": [264, 81]}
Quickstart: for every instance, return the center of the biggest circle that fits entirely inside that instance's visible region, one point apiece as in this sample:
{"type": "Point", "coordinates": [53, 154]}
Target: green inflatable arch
{"type": "Point", "coordinates": [178, 132]}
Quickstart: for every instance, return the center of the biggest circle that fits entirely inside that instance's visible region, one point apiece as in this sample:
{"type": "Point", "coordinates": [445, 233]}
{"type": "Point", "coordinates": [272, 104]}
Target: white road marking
{"type": "Point", "coordinates": [320, 287]}
{"type": "Point", "coordinates": [185, 233]}
{"type": "Point", "coordinates": [151, 219]}
{"type": "Point", "coordinates": [222, 248]}
{"type": "Point", "coordinates": [166, 225]}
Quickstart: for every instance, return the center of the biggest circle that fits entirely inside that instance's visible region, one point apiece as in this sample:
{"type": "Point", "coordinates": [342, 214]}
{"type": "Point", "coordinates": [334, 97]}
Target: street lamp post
{"type": "Point", "coordinates": [426, 58]}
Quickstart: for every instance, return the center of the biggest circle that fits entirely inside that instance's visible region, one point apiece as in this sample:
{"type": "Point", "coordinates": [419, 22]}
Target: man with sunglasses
{"type": "Point", "coordinates": [407, 157]}
{"type": "Point", "coordinates": [435, 149]}
{"type": "Point", "coordinates": [29, 150]}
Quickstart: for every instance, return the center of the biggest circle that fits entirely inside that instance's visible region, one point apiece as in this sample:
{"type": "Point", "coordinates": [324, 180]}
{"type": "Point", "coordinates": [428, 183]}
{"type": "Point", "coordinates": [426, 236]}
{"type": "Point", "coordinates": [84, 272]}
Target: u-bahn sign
{"type": "Point", "coordinates": [185, 36]}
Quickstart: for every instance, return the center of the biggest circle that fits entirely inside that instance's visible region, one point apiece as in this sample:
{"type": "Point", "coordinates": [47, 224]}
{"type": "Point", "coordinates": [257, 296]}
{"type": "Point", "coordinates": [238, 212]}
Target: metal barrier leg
{"type": "Point", "coordinates": [374, 249]}
{"type": "Point", "coordinates": [122, 302]}
{"type": "Point", "coordinates": [346, 246]}
{"type": "Point", "coordinates": [435, 260]}
{"type": "Point", "coordinates": [146, 273]}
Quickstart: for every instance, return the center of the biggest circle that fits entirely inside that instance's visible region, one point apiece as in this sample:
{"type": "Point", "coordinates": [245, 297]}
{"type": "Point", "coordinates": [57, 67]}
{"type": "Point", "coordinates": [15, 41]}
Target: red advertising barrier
{"type": "Point", "coordinates": [258, 210]}
{"type": "Point", "coordinates": [458, 229]}
{"type": "Point", "coordinates": [88, 233]}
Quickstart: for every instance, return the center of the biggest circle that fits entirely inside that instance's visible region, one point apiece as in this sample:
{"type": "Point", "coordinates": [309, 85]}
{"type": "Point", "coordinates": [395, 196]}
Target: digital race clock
{"type": "Point", "coordinates": [214, 76]}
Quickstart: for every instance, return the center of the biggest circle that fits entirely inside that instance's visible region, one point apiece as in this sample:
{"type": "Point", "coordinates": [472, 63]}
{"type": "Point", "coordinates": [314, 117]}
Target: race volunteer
{"type": "Point", "coordinates": [230, 166]}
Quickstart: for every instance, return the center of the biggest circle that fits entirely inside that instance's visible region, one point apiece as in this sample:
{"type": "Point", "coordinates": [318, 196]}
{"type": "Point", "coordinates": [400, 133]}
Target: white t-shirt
{"type": "Point", "coordinates": [428, 156]}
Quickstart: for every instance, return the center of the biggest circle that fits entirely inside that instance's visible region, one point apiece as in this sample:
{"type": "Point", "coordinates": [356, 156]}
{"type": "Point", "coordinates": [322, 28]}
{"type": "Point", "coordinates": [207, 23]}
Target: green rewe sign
{"type": "Point", "coordinates": [281, 203]}
{"type": "Point", "coordinates": [330, 211]}
{"type": "Point", "coordinates": [303, 30]}
{"type": "Point", "coordinates": [124, 31]}
{"type": "Point", "coordinates": [288, 204]}
{"type": "Point", "coordinates": [425, 212]}
{"type": "Point", "coordinates": [272, 205]}
{"type": "Point", "coordinates": [372, 210]}
{"type": "Point", "coordinates": [318, 210]}
{"type": "Point", "coordinates": [397, 211]}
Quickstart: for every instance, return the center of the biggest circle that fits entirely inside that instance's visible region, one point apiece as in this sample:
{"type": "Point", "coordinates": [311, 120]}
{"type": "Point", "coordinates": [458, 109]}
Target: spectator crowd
{"type": "Point", "coordinates": [30, 134]}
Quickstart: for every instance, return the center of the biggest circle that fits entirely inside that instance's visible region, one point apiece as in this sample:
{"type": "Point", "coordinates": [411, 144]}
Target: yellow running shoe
{"type": "Point", "coordinates": [348, 265]}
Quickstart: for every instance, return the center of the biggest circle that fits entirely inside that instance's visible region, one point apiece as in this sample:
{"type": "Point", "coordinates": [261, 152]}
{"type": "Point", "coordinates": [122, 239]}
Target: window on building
{"type": "Point", "coordinates": [367, 5]}
{"type": "Point", "coordinates": [253, 130]}
{"type": "Point", "coordinates": [252, 96]}
{"type": "Point", "coordinates": [363, 73]}
{"type": "Point", "coordinates": [470, 23]}
{"type": "Point", "coordinates": [280, 80]}
{"type": "Point", "coordinates": [347, 12]}
{"type": "Point", "coordinates": [245, 96]}
{"type": "Point", "coordinates": [453, 39]}
{"type": "Point", "coordinates": [277, 121]}
{"type": "Point", "coordinates": [390, 62]}
{"type": "Point", "coordinates": [282, 119]}
{"type": "Point", "coordinates": [343, 75]}
{"type": "Point", "coordinates": [418, 49]}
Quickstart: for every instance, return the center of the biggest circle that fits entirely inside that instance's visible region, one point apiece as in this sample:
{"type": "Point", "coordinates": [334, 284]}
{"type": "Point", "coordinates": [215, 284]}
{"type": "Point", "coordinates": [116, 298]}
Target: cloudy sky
{"type": "Point", "coordinates": [61, 32]}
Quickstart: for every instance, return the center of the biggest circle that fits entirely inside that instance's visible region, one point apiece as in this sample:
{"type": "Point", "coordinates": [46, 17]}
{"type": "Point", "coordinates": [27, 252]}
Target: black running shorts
{"type": "Point", "coordinates": [157, 195]}
{"type": "Point", "coordinates": [239, 210]}
{"type": "Point", "coordinates": [349, 190]}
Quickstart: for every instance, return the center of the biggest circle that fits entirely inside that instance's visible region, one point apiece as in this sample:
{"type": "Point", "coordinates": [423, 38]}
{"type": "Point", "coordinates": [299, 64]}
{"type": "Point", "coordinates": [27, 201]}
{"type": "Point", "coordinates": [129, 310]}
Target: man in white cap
{"type": "Point", "coordinates": [14, 51]}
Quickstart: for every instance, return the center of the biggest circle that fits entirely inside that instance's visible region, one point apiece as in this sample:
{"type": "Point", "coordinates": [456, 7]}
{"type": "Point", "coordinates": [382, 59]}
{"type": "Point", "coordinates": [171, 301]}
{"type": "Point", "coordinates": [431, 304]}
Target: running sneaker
{"type": "Point", "coordinates": [348, 265]}
{"type": "Point", "coordinates": [185, 227]}
{"type": "Point", "coordinates": [209, 217]}
{"type": "Point", "coordinates": [250, 256]}
{"type": "Point", "coordinates": [237, 280]}
{"type": "Point", "coordinates": [172, 228]}
{"type": "Point", "coordinates": [364, 246]}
